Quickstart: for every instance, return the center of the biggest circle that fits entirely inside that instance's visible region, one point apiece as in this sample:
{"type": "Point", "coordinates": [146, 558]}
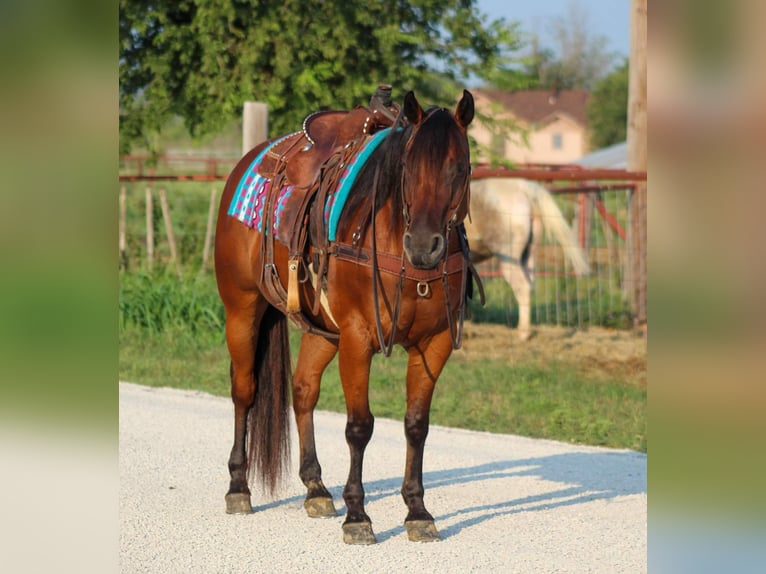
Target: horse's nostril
{"type": "Point", "coordinates": [425, 249]}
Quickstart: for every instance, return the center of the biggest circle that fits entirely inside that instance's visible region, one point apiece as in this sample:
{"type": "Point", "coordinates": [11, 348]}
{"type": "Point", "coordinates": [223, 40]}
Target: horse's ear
{"type": "Point", "coordinates": [412, 109]}
{"type": "Point", "coordinates": [464, 112]}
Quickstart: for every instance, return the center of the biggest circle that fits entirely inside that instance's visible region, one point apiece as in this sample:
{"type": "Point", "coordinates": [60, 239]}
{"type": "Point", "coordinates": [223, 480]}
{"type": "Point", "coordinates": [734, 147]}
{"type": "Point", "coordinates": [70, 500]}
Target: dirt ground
{"type": "Point", "coordinates": [595, 352]}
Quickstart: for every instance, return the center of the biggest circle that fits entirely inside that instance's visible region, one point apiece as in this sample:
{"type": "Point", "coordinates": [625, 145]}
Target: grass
{"type": "Point", "coordinates": [583, 304]}
{"type": "Point", "coordinates": [159, 302]}
{"type": "Point", "coordinates": [171, 334]}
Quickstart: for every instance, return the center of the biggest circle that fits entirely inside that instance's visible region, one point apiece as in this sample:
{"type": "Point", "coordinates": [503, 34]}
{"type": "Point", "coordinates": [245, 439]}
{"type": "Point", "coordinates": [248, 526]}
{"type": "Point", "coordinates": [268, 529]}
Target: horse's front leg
{"type": "Point", "coordinates": [426, 361]}
{"type": "Point", "coordinates": [315, 354]}
{"type": "Point", "coordinates": [354, 360]}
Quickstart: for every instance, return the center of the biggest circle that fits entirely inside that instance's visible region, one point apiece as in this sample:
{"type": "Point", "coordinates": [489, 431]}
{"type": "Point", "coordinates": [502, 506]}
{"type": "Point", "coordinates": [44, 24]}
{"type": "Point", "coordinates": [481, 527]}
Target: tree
{"type": "Point", "coordinates": [582, 59]}
{"type": "Point", "coordinates": [201, 59]}
{"type": "Point", "coordinates": [608, 109]}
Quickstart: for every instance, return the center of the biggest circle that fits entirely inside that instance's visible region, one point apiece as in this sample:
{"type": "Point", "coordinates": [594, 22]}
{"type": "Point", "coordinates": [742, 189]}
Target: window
{"type": "Point", "coordinates": [558, 141]}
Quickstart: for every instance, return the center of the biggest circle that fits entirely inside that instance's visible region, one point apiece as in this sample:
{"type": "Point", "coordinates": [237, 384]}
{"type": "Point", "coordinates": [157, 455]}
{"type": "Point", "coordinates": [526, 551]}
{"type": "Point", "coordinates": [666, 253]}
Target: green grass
{"type": "Point", "coordinates": [159, 302]}
{"type": "Point", "coordinates": [544, 402]}
{"type": "Point", "coordinates": [171, 334]}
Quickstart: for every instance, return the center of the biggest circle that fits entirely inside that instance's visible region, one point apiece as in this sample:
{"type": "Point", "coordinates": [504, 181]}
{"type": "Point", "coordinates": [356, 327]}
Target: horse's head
{"type": "Point", "coordinates": [436, 177]}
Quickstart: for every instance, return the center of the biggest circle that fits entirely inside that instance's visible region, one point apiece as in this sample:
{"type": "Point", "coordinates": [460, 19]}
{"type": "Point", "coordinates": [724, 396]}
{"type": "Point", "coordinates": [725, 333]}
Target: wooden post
{"type": "Point", "coordinates": [255, 125]}
{"type": "Point", "coordinates": [123, 244]}
{"type": "Point", "coordinates": [584, 218]}
{"type": "Point", "coordinates": [169, 230]}
{"type": "Point", "coordinates": [149, 229]}
{"type": "Point", "coordinates": [636, 248]}
{"type": "Point", "coordinates": [209, 230]}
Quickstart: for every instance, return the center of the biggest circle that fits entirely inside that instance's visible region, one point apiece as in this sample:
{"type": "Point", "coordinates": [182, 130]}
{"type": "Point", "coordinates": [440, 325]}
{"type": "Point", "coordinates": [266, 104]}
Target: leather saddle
{"type": "Point", "coordinates": [315, 155]}
{"type": "Point", "coordinates": [301, 157]}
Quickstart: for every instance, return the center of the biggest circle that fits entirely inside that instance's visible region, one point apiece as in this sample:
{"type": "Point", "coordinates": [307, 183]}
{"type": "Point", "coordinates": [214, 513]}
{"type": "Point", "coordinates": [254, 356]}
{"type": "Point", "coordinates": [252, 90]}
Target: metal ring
{"type": "Point", "coordinates": [423, 288]}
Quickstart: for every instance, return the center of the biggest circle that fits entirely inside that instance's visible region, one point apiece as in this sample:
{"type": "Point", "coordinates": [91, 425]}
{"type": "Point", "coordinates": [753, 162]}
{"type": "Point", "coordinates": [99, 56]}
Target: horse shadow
{"type": "Point", "coordinates": [582, 477]}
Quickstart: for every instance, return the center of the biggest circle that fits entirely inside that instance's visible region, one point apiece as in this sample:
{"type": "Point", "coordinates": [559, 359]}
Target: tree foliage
{"type": "Point", "coordinates": [201, 59]}
{"type": "Point", "coordinates": [608, 109]}
{"type": "Point", "coordinates": [580, 59]}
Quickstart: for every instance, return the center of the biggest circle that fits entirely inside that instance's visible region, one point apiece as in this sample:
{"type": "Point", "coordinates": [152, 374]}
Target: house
{"type": "Point", "coordinates": [555, 123]}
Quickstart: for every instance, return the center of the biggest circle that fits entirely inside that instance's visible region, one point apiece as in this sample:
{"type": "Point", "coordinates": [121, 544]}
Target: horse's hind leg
{"type": "Point", "coordinates": [522, 289]}
{"type": "Point", "coordinates": [424, 366]}
{"type": "Point", "coordinates": [241, 341]}
{"type": "Point", "coordinates": [515, 272]}
{"type": "Point", "coordinates": [315, 354]}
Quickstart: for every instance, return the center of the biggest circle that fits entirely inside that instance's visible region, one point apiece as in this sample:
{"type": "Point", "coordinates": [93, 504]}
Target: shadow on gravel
{"type": "Point", "coordinates": [580, 477]}
{"type": "Point", "coordinates": [574, 478]}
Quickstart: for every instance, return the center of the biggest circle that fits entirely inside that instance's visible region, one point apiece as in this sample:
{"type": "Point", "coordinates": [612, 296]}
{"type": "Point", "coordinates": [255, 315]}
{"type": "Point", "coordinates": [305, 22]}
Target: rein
{"type": "Point", "coordinates": [385, 347]}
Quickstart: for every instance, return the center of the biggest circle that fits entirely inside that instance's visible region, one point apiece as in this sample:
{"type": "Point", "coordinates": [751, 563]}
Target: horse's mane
{"type": "Point", "coordinates": [387, 160]}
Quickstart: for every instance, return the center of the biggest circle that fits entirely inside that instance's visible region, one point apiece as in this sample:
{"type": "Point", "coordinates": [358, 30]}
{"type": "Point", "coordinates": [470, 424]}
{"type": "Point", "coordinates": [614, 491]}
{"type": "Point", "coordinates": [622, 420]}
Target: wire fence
{"type": "Point", "coordinates": [559, 296]}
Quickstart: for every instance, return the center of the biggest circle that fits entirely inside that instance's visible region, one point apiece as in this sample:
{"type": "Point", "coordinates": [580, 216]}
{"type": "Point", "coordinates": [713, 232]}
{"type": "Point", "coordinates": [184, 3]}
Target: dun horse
{"type": "Point", "coordinates": [353, 229]}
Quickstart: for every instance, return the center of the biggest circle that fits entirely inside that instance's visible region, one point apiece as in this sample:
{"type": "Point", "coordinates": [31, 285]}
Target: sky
{"type": "Point", "coordinates": [609, 18]}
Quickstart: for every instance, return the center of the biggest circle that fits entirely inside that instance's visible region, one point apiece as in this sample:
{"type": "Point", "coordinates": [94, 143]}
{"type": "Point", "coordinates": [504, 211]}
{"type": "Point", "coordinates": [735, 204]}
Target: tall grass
{"type": "Point", "coordinates": [161, 302]}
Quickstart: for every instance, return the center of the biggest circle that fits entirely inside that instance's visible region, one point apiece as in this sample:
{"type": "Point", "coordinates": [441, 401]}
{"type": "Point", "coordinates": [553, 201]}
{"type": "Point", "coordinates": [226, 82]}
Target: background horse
{"type": "Point", "coordinates": [507, 216]}
{"type": "Point", "coordinates": [395, 274]}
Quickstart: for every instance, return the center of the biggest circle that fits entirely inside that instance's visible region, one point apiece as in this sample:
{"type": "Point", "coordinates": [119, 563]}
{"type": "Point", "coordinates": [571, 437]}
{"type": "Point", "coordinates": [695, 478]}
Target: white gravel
{"type": "Point", "coordinates": [502, 503]}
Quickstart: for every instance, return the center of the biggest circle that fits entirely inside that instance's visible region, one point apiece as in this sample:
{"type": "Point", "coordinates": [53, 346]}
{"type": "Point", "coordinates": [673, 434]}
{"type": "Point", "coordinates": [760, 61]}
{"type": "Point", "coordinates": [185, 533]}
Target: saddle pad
{"type": "Point", "coordinates": [337, 200]}
{"type": "Point", "coordinates": [250, 195]}
{"type": "Point", "coordinates": [249, 198]}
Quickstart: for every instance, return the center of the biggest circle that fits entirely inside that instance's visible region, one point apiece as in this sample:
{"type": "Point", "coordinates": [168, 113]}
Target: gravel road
{"type": "Point", "coordinates": [502, 503]}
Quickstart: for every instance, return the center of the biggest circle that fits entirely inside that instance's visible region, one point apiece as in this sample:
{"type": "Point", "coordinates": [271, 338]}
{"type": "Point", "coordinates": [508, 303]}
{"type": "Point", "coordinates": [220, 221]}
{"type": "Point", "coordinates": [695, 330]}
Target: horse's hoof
{"type": "Point", "coordinates": [422, 531]}
{"type": "Point", "coordinates": [238, 503]}
{"type": "Point", "coordinates": [358, 533]}
{"type": "Point", "coordinates": [320, 507]}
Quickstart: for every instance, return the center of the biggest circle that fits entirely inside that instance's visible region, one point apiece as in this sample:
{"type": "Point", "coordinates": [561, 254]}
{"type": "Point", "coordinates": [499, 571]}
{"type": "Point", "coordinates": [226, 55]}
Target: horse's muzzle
{"type": "Point", "coordinates": [424, 250]}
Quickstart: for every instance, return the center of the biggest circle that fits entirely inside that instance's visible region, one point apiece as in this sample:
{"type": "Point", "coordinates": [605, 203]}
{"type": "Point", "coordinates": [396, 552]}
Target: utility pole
{"type": "Point", "coordinates": [635, 280]}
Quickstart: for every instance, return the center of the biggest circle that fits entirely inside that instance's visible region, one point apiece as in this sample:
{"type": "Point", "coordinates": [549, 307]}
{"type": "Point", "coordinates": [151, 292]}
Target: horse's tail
{"type": "Point", "coordinates": [554, 221]}
{"type": "Point", "coordinates": [269, 424]}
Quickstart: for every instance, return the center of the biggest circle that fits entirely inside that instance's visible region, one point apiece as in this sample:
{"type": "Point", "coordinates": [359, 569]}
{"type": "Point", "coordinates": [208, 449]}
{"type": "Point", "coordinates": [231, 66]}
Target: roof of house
{"type": "Point", "coordinates": [535, 106]}
{"type": "Point", "coordinates": [613, 157]}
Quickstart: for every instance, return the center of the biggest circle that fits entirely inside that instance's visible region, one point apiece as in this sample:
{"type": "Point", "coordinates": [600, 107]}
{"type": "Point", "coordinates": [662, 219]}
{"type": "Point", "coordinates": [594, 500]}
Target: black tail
{"type": "Point", "coordinates": [269, 424]}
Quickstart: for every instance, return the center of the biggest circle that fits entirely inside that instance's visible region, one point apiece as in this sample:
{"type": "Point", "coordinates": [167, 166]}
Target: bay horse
{"type": "Point", "coordinates": [509, 216]}
{"type": "Point", "coordinates": [396, 273]}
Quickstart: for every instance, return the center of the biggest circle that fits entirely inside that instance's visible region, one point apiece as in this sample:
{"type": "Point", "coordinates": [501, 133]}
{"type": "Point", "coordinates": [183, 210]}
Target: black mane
{"type": "Point", "coordinates": [433, 140]}
{"type": "Point", "coordinates": [387, 160]}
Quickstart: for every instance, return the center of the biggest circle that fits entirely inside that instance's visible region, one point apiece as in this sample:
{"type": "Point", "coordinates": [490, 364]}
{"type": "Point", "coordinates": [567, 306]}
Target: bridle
{"type": "Point", "coordinates": [423, 288]}
{"type": "Point", "coordinates": [463, 192]}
